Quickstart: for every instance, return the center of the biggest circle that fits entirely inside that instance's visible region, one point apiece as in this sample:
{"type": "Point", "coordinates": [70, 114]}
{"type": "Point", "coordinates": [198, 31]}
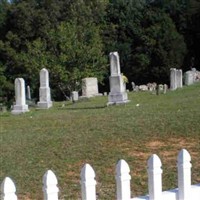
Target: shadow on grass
{"type": "Point", "coordinates": [82, 108]}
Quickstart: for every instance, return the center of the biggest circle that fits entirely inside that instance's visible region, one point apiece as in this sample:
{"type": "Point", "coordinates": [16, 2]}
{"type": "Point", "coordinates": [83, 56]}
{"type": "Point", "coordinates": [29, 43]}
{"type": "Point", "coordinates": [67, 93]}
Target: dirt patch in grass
{"type": "Point", "coordinates": [167, 149]}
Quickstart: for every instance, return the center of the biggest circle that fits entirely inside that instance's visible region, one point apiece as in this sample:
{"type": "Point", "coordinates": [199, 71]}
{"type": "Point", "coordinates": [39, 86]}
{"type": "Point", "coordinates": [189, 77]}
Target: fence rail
{"type": "Point", "coordinates": [185, 190]}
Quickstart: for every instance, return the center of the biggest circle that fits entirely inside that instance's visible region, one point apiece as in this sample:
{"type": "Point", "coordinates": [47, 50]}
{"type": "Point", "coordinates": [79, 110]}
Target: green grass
{"type": "Point", "coordinates": [65, 138]}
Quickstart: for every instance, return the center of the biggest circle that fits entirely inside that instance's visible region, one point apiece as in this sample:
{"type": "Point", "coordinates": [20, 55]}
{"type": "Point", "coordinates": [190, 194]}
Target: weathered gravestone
{"type": "Point", "coordinates": [45, 95]}
{"type": "Point", "coordinates": [173, 79]}
{"type": "Point", "coordinates": [176, 78]}
{"type": "Point", "coordinates": [20, 98]}
{"type": "Point", "coordinates": [189, 78]}
{"type": "Point", "coordinates": [160, 88]}
{"type": "Point", "coordinates": [179, 78]}
{"type": "Point", "coordinates": [74, 96]}
{"type": "Point", "coordinates": [90, 87]}
{"type": "Point", "coordinates": [118, 94]}
{"type": "Point", "coordinates": [133, 85]}
{"type": "Point", "coordinates": [165, 87]}
{"type": "Point", "coordinates": [28, 92]}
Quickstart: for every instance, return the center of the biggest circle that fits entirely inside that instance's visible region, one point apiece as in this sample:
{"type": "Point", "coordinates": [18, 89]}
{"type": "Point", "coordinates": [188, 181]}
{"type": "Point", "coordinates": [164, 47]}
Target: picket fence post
{"type": "Point", "coordinates": [184, 175]}
{"type": "Point", "coordinates": [8, 190]}
{"type": "Point", "coordinates": [50, 189]}
{"type": "Point", "coordinates": [88, 183]}
{"type": "Point", "coordinates": [155, 178]}
{"type": "Point", "coordinates": [123, 180]}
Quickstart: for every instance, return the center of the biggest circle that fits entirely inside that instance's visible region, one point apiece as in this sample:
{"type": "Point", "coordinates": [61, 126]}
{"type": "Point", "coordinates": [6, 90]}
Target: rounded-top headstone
{"type": "Point", "coordinates": [44, 78]}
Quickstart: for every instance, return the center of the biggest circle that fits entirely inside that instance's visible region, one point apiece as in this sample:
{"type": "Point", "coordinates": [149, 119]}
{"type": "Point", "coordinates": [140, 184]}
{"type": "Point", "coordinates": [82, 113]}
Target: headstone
{"type": "Point", "coordinates": [173, 79]}
{"type": "Point", "coordinates": [159, 89]}
{"type": "Point", "coordinates": [118, 94]}
{"type": "Point", "coordinates": [165, 87]}
{"type": "Point", "coordinates": [194, 69]}
{"type": "Point", "coordinates": [179, 78]}
{"type": "Point", "coordinates": [136, 88]}
{"type": "Point", "coordinates": [20, 98]}
{"type": "Point", "coordinates": [143, 88]}
{"type": "Point", "coordinates": [152, 86]}
{"type": "Point", "coordinates": [133, 85]}
{"type": "Point", "coordinates": [90, 87]}
{"type": "Point", "coordinates": [189, 78]}
{"type": "Point", "coordinates": [114, 64]}
{"type": "Point", "coordinates": [28, 92]}
{"type": "Point", "coordinates": [74, 96]}
{"type": "Point", "coordinates": [105, 93]}
{"type": "Point", "coordinates": [45, 95]}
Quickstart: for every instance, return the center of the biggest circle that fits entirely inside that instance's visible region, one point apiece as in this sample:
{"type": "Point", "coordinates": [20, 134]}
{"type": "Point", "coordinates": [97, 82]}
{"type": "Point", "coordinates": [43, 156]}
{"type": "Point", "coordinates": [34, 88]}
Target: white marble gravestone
{"type": "Point", "coordinates": [165, 87]}
{"type": "Point", "coordinates": [74, 96]}
{"type": "Point", "coordinates": [189, 78]}
{"type": "Point", "coordinates": [179, 78]}
{"type": "Point", "coordinates": [28, 92]}
{"type": "Point", "coordinates": [45, 94]}
{"type": "Point", "coordinates": [90, 87]}
{"type": "Point", "coordinates": [20, 97]}
{"type": "Point", "coordinates": [173, 79]}
{"type": "Point", "coordinates": [118, 94]}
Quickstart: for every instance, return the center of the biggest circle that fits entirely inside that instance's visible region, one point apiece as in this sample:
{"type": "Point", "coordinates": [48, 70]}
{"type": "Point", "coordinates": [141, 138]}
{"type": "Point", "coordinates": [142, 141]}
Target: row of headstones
{"type": "Point", "coordinates": [45, 102]}
{"type": "Point", "coordinates": [117, 95]}
{"type": "Point", "coordinates": [177, 79]}
{"type": "Point", "coordinates": [151, 87]}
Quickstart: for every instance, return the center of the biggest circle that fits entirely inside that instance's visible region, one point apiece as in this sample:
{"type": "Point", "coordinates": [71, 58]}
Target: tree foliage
{"type": "Point", "coordinates": [72, 39]}
{"type": "Point", "coordinates": [149, 43]}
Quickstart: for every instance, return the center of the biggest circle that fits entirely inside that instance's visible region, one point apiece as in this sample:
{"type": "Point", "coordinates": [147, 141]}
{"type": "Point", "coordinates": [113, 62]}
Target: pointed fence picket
{"type": "Point", "coordinates": [185, 190]}
{"type": "Point", "coordinates": [50, 189]}
{"type": "Point", "coordinates": [123, 180]}
{"type": "Point", "coordinates": [154, 177]}
{"type": "Point", "coordinates": [8, 190]}
{"type": "Point", "coordinates": [88, 183]}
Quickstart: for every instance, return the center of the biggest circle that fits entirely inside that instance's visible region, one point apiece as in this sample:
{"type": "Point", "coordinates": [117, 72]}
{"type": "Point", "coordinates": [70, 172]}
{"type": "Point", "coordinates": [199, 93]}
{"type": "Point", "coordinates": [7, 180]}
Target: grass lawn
{"type": "Point", "coordinates": [63, 139]}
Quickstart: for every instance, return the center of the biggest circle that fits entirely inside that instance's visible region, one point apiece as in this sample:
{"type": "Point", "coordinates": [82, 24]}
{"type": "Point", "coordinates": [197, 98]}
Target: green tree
{"type": "Point", "coordinates": [73, 52]}
{"type": "Point", "coordinates": [50, 34]}
{"type": "Point", "coordinates": [148, 44]}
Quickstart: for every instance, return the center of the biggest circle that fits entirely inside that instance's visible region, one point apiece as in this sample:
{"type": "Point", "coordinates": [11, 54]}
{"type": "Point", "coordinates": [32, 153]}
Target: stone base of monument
{"type": "Point", "coordinates": [117, 98]}
{"type": "Point", "coordinates": [18, 109]}
{"type": "Point", "coordinates": [44, 105]}
{"type": "Point", "coordinates": [92, 95]}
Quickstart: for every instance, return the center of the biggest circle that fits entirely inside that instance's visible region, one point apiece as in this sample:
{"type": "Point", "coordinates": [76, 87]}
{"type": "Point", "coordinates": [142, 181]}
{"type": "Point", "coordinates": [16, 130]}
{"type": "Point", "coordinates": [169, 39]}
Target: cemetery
{"type": "Point", "coordinates": [65, 139]}
{"type": "Point", "coordinates": [99, 100]}
{"type": "Point", "coordinates": [92, 115]}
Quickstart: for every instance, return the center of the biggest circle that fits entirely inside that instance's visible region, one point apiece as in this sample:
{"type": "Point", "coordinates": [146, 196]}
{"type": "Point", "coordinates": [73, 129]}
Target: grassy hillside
{"type": "Point", "coordinates": [64, 138]}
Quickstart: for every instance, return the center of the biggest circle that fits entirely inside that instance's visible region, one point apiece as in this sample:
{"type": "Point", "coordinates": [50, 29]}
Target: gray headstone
{"type": "Point", "coordinates": [20, 97]}
{"type": "Point", "coordinates": [143, 88]}
{"type": "Point", "coordinates": [179, 78]}
{"type": "Point", "coordinates": [173, 79]}
{"type": "Point", "coordinates": [165, 87]}
{"type": "Point", "coordinates": [75, 96]}
{"type": "Point", "coordinates": [189, 78]}
{"type": "Point", "coordinates": [160, 88]}
{"type": "Point", "coordinates": [136, 88]}
{"type": "Point", "coordinates": [133, 85]}
{"type": "Point", "coordinates": [90, 87]}
{"type": "Point", "coordinates": [28, 93]}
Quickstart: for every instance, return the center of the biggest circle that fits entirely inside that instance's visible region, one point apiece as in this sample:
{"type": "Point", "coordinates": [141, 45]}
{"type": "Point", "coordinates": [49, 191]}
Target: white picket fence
{"type": "Point", "coordinates": [185, 190]}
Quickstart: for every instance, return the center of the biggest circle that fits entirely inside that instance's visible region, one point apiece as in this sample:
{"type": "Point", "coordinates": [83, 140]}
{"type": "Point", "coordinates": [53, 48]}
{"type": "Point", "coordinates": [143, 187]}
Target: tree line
{"type": "Point", "coordinates": [73, 38]}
